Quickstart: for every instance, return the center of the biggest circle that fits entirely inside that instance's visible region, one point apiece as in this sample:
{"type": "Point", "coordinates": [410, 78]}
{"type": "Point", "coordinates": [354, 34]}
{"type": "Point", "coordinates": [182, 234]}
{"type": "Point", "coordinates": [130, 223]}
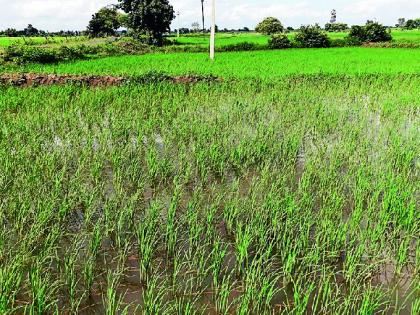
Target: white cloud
{"type": "Point", "coordinates": [55, 15]}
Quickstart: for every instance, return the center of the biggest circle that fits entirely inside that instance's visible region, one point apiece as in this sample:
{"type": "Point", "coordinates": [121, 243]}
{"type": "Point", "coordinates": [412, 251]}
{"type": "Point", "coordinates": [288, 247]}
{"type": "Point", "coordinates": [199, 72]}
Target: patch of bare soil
{"type": "Point", "coordinates": [32, 79]}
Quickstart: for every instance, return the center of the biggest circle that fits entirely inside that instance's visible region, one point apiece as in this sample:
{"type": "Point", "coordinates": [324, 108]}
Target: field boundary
{"type": "Point", "coordinates": [35, 79]}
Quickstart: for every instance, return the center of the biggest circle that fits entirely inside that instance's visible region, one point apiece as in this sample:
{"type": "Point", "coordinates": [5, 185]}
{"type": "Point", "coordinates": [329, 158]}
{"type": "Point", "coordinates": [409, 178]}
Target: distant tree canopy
{"type": "Point", "coordinates": [149, 17]}
{"type": "Point", "coordinates": [11, 32]}
{"type": "Point", "coordinates": [30, 30]}
{"type": "Point", "coordinates": [412, 24]}
{"type": "Point", "coordinates": [105, 22]}
{"type": "Point", "coordinates": [269, 26]}
{"type": "Point", "coordinates": [311, 36]}
{"type": "Point", "coordinates": [336, 27]}
{"type": "Point", "coordinates": [371, 32]}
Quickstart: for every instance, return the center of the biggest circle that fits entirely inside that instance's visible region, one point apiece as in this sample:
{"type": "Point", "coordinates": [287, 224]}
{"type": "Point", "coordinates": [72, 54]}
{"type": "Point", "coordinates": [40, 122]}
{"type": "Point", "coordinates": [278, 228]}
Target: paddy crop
{"type": "Point", "coordinates": [298, 194]}
{"type": "Point", "coordinates": [224, 39]}
{"type": "Point", "coordinates": [258, 64]}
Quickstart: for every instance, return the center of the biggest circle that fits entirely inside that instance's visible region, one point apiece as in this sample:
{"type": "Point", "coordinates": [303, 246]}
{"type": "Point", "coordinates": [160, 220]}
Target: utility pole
{"type": "Point", "coordinates": [213, 29]}
{"type": "Point", "coordinates": [179, 23]}
{"type": "Point", "coordinates": [202, 15]}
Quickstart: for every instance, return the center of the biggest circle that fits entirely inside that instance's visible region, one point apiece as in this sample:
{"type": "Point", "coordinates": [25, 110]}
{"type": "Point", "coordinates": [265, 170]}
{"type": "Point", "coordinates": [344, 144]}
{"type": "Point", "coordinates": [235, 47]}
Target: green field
{"type": "Point", "coordinates": [223, 39]}
{"type": "Point", "coordinates": [258, 64]}
{"type": "Point", "coordinates": [291, 185]}
{"type": "Point", "coordinates": [8, 41]}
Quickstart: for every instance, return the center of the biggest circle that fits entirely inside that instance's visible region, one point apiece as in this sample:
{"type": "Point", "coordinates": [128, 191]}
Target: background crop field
{"type": "Point", "coordinates": [7, 41]}
{"type": "Point", "coordinates": [258, 64]}
{"type": "Point", "coordinates": [224, 39]}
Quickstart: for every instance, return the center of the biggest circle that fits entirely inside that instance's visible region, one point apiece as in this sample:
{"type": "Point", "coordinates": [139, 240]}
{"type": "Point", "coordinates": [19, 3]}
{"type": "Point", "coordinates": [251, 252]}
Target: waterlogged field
{"type": "Point", "coordinates": [291, 195]}
{"type": "Point", "coordinates": [258, 64]}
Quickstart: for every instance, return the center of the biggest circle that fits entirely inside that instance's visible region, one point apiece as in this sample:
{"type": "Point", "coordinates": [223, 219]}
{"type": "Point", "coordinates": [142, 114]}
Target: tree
{"type": "Point", "coordinates": [149, 17]}
{"type": "Point", "coordinates": [371, 32]}
{"type": "Point", "coordinates": [311, 36]}
{"type": "Point", "coordinates": [11, 32]}
{"type": "Point", "coordinates": [401, 22]}
{"type": "Point", "coordinates": [104, 23]}
{"type": "Point", "coordinates": [269, 26]}
{"type": "Point", "coordinates": [195, 27]}
{"type": "Point", "coordinates": [279, 41]}
{"type": "Point", "coordinates": [412, 24]}
{"type": "Point", "coordinates": [30, 30]}
{"type": "Point", "coordinates": [336, 27]}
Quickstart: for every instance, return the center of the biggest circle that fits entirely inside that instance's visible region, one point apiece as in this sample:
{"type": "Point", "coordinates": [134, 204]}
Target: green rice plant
{"type": "Point", "coordinates": [10, 280]}
{"type": "Point", "coordinates": [301, 295]}
{"type": "Point", "coordinates": [153, 297]}
{"type": "Point", "coordinates": [41, 292]}
{"type": "Point", "coordinates": [243, 239]}
{"type": "Point", "coordinates": [218, 254]}
{"type": "Point", "coordinates": [89, 274]}
{"type": "Point", "coordinates": [114, 304]}
{"type": "Point", "coordinates": [222, 296]}
{"type": "Point", "coordinates": [171, 229]}
{"type": "Point", "coordinates": [71, 280]}
{"type": "Point", "coordinates": [147, 239]}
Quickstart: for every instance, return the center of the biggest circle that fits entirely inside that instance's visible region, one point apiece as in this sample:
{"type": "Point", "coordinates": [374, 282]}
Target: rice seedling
{"type": "Point", "coordinates": [293, 194]}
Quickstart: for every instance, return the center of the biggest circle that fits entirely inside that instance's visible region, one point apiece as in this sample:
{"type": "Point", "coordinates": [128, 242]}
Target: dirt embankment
{"type": "Point", "coordinates": [32, 79]}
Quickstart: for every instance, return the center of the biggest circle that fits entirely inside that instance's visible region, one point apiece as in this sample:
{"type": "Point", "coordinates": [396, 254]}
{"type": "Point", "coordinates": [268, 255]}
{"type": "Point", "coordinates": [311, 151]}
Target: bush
{"type": "Point", "coordinates": [269, 26]}
{"type": "Point", "coordinates": [23, 54]}
{"type": "Point", "coordinates": [311, 36]}
{"type": "Point", "coordinates": [245, 46]}
{"type": "Point", "coordinates": [130, 46]}
{"type": "Point", "coordinates": [345, 42]}
{"type": "Point", "coordinates": [279, 41]}
{"type": "Point", "coordinates": [336, 27]}
{"type": "Point", "coordinates": [371, 32]}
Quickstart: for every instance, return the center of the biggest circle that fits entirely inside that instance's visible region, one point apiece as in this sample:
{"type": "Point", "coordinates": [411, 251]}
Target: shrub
{"type": "Point", "coordinates": [244, 46]}
{"type": "Point", "coordinates": [279, 41]}
{"type": "Point", "coordinates": [336, 27]}
{"type": "Point", "coordinates": [23, 54]}
{"type": "Point", "coordinates": [412, 24]}
{"type": "Point", "coordinates": [371, 32]}
{"type": "Point", "coordinates": [269, 26]}
{"type": "Point", "coordinates": [311, 36]}
{"type": "Point", "coordinates": [130, 46]}
{"type": "Point", "coordinates": [345, 42]}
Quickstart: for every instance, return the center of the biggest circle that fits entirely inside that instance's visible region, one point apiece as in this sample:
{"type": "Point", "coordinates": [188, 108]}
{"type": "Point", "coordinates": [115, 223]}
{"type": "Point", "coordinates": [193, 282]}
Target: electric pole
{"type": "Point", "coordinates": [179, 23]}
{"type": "Point", "coordinates": [202, 15]}
{"type": "Point", "coordinates": [213, 29]}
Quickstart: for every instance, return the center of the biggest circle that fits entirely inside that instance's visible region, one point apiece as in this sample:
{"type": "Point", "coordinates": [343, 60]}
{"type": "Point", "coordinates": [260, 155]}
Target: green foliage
{"type": "Point", "coordinates": [104, 23]}
{"type": "Point", "coordinates": [412, 24]}
{"type": "Point", "coordinates": [245, 46]}
{"type": "Point", "coordinates": [371, 32]}
{"type": "Point", "coordinates": [269, 26]}
{"type": "Point", "coordinates": [279, 41]}
{"type": "Point", "coordinates": [21, 54]}
{"type": "Point", "coordinates": [311, 36]}
{"type": "Point", "coordinates": [150, 17]}
{"type": "Point", "coordinates": [336, 27]}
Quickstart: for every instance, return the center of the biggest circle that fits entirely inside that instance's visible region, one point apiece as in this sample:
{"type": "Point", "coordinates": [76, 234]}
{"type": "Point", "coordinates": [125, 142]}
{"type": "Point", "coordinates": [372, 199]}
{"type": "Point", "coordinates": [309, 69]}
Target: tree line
{"type": "Point", "coordinates": [31, 31]}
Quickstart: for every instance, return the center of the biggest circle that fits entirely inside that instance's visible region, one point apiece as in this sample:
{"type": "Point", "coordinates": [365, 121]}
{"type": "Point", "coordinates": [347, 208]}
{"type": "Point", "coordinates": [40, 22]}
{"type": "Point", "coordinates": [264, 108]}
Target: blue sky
{"type": "Point", "coordinates": [54, 15]}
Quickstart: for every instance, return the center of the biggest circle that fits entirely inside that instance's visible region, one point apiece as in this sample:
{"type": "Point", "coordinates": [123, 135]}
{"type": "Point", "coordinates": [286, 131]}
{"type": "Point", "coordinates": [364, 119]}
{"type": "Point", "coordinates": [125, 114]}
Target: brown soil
{"type": "Point", "coordinates": [32, 79]}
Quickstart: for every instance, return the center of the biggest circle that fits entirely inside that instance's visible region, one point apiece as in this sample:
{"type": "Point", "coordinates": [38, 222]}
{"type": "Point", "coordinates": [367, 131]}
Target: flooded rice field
{"type": "Point", "coordinates": [286, 197]}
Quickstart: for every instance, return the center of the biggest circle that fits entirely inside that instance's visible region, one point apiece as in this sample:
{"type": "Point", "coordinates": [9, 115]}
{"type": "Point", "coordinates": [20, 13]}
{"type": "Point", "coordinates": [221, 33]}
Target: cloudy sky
{"type": "Point", "coordinates": [54, 15]}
